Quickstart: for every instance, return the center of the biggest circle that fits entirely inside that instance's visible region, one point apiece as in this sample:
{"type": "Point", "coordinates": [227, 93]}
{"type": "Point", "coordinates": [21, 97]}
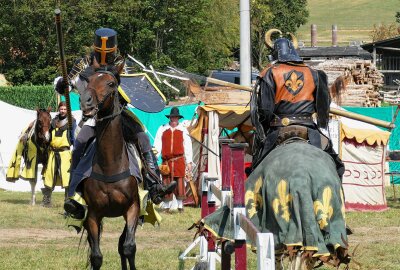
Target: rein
{"type": "Point", "coordinates": [117, 111]}
{"type": "Point", "coordinates": [101, 103]}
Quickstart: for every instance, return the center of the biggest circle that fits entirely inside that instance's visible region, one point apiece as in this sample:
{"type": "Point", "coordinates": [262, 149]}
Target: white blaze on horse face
{"type": "Point", "coordinates": [47, 136]}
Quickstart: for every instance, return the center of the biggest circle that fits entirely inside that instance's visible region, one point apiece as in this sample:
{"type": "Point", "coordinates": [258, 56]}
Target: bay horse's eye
{"type": "Point", "coordinates": [111, 84]}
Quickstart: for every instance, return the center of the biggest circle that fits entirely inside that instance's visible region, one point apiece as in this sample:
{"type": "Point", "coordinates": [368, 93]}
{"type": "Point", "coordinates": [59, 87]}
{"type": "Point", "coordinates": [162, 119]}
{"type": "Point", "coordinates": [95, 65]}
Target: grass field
{"type": "Point", "coordinates": [36, 238]}
{"type": "Point", "coordinates": [355, 19]}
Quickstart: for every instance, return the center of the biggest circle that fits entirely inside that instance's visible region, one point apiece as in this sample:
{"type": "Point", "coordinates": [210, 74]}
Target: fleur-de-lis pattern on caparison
{"type": "Point", "coordinates": [281, 204]}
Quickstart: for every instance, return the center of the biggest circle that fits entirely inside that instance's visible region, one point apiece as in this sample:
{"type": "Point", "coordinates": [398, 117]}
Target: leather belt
{"type": "Point", "coordinates": [59, 149]}
{"type": "Point", "coordinates": [291, 120]}
{"type": "Point", "coordinates": [174, 158]}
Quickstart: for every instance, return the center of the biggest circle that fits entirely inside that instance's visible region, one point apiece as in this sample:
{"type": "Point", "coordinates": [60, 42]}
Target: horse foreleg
{"type": "Point", "coordinates": [129, 246]}
{"type": "Point", "coordinates": [124, 265]}
{"type": "Point", "coordinates": [33, 192]}
{"type": "Point", "coordinates": [93, 228]}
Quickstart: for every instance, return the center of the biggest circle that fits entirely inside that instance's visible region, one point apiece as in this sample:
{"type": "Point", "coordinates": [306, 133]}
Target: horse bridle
{"type": "Point", "coordinates": [39, 124]}
{"type": "Point", "coordinates": [101, 103]}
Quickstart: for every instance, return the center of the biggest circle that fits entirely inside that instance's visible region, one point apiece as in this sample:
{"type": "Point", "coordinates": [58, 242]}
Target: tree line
{"type": "Point", "coordinates": [196, 36]}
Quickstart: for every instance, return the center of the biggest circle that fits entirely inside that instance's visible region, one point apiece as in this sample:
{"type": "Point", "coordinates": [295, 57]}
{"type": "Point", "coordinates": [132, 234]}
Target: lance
{"type": "Point", "coordinates": [63, 66]}
{"type": "Point", "coordinates": [332, 110]}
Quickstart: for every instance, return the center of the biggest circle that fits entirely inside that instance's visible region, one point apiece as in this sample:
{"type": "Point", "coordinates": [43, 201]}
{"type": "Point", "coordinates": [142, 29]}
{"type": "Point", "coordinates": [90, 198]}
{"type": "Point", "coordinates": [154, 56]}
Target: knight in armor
{"type": "Point", "coordinates": [290, 100]}
{"type": "Point", "coordinates": [57, 171]}
{"type": "Point", "coordinates": [106, 54]}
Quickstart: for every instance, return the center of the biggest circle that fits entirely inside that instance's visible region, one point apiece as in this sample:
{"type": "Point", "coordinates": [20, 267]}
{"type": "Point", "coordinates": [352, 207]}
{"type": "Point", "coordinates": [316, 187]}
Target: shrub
{"type": "Point", "coordinates": [29, 97]}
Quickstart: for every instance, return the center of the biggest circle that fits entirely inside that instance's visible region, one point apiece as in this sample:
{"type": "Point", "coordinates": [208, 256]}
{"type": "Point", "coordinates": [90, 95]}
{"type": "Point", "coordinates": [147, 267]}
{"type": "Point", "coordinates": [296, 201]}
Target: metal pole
{"type": "Point", "coordinates": [245, 50]}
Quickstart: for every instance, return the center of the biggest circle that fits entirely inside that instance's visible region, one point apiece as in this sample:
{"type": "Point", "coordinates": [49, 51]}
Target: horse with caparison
{"type": "Point", "coordinates": [296, 194]}
{"type": "Point", "coordinates": [120, 197]}
{"type": "Point", "coordinates": [32, 147]}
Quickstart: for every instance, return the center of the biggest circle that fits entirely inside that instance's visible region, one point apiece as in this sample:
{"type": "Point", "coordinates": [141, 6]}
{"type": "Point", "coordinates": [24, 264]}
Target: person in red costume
{"type": "Point", "coordinates": [173, 143]}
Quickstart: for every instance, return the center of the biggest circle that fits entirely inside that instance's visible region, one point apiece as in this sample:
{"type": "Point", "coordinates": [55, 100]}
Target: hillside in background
{"type": "Point", "coordinates": [355, 19]}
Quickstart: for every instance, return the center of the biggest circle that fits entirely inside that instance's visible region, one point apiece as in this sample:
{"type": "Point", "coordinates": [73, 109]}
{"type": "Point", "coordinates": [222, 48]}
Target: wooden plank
{"type": "Point", "coordinates": [216, 191]}
{"type": "Point", "coordinates": [250, 229]}
{"type": "Point", "coordinates": [227, 97]}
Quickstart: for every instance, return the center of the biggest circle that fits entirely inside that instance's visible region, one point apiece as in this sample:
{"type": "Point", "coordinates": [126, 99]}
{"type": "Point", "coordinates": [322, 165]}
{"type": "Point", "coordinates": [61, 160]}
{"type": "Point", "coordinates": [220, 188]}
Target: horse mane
{"type": "Point", "coordinates": [339, 87]}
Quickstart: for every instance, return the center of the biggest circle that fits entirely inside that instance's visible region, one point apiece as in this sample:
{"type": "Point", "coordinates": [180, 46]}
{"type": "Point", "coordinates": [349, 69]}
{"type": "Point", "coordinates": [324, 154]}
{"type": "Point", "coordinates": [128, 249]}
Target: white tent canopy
{"type": "Point", "coordinates": [363, 152]}
{"type": "Point", "coordinates": [13, 121]}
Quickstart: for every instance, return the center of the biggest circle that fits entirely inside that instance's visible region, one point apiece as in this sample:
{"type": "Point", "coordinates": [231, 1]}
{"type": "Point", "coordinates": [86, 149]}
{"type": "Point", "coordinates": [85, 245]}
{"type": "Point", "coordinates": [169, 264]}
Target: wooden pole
{"type": "Point", "coordinates": [239, 203]}
{"type": "Point", "coordinates": [335, 111]}
{"type": "Point", "coordinates": [362, 118]}
{"type": "Point", "coordinates": [63, 66]}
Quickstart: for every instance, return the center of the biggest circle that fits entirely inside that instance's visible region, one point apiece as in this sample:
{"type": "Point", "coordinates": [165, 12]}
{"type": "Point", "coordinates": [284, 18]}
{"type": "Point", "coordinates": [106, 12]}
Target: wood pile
{"type": "Point", "coordinates": [363, 81]}
{"type": "Point", "coordinates": [391, 94]}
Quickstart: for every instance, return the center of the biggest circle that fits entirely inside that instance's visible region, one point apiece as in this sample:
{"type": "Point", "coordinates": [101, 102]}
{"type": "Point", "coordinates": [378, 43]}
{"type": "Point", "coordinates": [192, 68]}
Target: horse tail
{"type": "Point", "coordinates": [339, 87]}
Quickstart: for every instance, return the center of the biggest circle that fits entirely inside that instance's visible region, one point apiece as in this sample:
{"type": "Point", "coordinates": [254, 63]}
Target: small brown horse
{"type": "Point", "coordinates": [41, 139]}
{"type": "Point", "coordinates": [32, 148]}
{"type": "Point", "coordinates": [120, 196]}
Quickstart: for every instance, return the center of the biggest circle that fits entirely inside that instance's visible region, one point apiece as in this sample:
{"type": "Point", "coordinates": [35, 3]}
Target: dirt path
{"type": "Point", "coordinates": [33, 237]}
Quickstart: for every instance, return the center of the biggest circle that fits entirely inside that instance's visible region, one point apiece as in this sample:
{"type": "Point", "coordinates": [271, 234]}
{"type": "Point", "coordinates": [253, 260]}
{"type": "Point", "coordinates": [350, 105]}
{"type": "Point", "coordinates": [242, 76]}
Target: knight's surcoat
{"type": "Point", "coordinates": [59, 162]}
{"type": "Point", "coordinates": [24, 163]}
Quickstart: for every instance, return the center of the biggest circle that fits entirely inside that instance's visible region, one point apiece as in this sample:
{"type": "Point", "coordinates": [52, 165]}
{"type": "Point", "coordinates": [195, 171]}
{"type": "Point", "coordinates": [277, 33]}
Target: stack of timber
{"type": "Point", "coordinates": [218, 94]}
{"type": "Point", "coordinates": [391, 93]}
{"type": "Point", "coordinates": [362, 78]}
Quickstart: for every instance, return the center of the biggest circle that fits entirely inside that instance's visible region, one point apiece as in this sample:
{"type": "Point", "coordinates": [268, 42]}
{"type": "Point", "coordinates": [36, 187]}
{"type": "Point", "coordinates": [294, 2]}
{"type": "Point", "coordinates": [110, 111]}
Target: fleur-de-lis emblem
{"type": "Point", "coordinates": [281, 204]}
{"type": "Point", "coordinates": [294, 81]}
{"type": "Point", "coordinates": [254, 198]}
{"type": "Point", "coordinates": [323, 210]}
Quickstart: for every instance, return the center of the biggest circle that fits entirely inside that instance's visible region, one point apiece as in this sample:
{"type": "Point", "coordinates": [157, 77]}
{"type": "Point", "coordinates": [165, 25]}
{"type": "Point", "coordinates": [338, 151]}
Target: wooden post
{"type": "Point", "coordinates": [226, 166]}
{"type": "Point", "coordinates": [239, 204]}
{"type": "Point", "coordinates": [313, 35]}
{"type": "Point", "coordinates": [334, 35]}
{"type": "Point", "coordinates": [204, 203]}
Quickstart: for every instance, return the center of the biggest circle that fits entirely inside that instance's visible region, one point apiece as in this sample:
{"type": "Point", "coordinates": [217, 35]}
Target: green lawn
{"type": "Point", "coordinates": [355, 19]}
{"type": "Point", "coordinates": [36, 238]}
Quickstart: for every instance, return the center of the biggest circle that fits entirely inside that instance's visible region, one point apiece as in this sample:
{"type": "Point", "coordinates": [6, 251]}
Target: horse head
{"type": "Point", "coordinates": [42, 127]}
{"type": "Point", "coordinates": [100, 98]}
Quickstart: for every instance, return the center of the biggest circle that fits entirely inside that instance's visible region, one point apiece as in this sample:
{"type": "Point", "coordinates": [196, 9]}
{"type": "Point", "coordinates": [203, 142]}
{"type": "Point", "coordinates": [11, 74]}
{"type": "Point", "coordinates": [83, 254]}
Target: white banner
{"type": "Point", "coordinates": [363, 180]}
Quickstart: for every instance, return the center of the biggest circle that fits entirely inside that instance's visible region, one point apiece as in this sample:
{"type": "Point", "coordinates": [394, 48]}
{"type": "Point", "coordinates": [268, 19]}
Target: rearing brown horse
{"type": "Point", "coordinates": [119, 196]}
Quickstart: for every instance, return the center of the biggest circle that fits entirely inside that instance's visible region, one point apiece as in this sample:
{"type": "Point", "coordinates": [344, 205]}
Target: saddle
{"type": "Point", "coordinates": [297, 132]}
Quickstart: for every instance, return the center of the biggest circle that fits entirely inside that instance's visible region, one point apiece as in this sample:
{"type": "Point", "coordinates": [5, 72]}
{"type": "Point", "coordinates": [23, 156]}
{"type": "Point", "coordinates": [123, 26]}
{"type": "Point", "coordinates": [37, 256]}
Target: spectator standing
{"type": "Point", "coordinates": [57, 171]}
{"type": "Point", "coordinates": [173, 144]}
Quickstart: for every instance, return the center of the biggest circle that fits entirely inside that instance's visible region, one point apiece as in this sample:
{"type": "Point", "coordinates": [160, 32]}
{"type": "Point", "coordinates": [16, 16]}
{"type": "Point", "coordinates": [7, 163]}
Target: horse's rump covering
{"type": "Point", "coordinates": [27, 169]}
{"type": "Point", "coordinates": [296, 194]}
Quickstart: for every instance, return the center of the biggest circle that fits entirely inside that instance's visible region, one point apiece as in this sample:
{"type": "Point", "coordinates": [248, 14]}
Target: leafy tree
{"type": "Point", "coordinates": [27, 52]}
{"type": "Point", "coordinates": [189, 34]}
{"type": "Point", "coordinates": [384, 31]}
{"type": "Point", "coordinates": [285, 15]}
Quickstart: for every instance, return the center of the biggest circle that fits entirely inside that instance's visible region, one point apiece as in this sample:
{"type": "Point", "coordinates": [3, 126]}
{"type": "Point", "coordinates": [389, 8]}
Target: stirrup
{"type": "Point", "coordinates": [74, 209]}
{"type": "Point", "coordinates": [168, 189]}
{"type": "Point", "coordinates": [156, 199]}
